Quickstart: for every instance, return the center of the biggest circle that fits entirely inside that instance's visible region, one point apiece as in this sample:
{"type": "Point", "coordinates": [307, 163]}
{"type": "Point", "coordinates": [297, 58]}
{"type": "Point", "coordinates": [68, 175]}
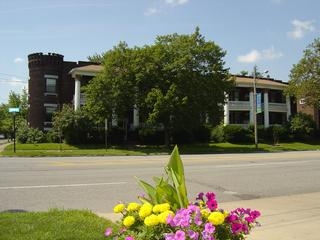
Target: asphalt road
{"type": "Point", "coordinates": [97, 183]}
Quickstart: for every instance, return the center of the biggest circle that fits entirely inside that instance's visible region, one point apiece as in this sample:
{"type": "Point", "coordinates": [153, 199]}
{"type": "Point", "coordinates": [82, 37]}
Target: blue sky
{"type": "Point", "coordinates": [271, 34]}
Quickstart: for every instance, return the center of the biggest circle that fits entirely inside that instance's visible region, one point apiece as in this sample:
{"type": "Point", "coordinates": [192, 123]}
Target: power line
{"type": "Point", "coordinates": [6, 80]}
{"type": "Point", "coordinates": [11, 75]}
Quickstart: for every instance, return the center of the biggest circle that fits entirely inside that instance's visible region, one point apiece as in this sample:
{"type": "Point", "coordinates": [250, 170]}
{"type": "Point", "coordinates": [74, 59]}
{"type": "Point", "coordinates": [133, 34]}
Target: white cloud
{"type": "Point", "coordinates": [255, 55]}
{"type": "Point", "coordinates": [151, 11]}
{"type": "Point", "coordinates": [300, 28]}
{"type": "Point", "coordinates": [176, 2]}
{"type": "Point", "coordinates": [250, 57]}
{"type": "Point", "coordinates": [18, 60]}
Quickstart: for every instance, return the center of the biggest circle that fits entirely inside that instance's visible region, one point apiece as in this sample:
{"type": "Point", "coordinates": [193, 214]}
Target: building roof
{"type": "Point", "coordinates": [89, 70]}
{"type": "Point", "coordinates": [243, 81]}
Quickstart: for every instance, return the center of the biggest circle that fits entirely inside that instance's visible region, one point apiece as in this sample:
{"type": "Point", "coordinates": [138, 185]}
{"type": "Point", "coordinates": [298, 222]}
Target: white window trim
{"type": "Point", "coordinates": [50, 105]}
{"type": "Point", "coordinates": [51, 76]}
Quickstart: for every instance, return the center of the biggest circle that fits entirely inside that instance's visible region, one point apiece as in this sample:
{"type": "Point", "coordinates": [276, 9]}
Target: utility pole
{"type": "Point", "coordinates": [255, 106]}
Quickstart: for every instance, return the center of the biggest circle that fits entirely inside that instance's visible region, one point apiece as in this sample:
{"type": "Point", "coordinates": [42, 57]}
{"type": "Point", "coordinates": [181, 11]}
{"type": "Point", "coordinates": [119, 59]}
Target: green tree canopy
{"type": "Point", "coordinates": [179, 82]}
{"type": "Point", "coordinates": [14, 100]}
{"type": "Point", "coordinates": [305, 76]}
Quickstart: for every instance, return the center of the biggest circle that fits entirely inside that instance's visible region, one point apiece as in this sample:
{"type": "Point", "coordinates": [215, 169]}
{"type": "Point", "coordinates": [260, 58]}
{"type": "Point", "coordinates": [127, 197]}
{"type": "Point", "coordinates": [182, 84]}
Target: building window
{"type": "Point", "coordinates": [49, 113]}
{"type": "Point", "coordinates": [276, 96]}
{"type": "Point", "coordinates": [239, 94]}
{"type": "Point", "coordinates": [302, 101]}
{"type": "Point", "coordinates": [51, 85]}
{"type": "Point", "coordinates": [239, 117]}
{"type": "Point", "coordinates": [277, 118]}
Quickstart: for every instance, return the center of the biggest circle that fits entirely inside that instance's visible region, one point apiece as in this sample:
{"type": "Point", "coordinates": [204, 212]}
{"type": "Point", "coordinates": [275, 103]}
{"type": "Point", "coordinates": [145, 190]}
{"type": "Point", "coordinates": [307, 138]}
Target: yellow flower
{"type": "Point", "coordinates": [119, 208]}
{"type": "Point", "coordinates": [128, 221]}
{"type": "Point", "coordinates": [133, 206]}
{"type": "Point", "coordinates": [151, 220]}
{"type": "Point", "coordinates": [216, 218]}
{"type": "Point", "coordinates": [164, 215]}
{"type": "Point", "coordinates": [145, 210]}
{"type": "Point", "coordinates": [158, 208]}
{"type": "Point", "coordinates": [205, 212]}
{"type": "Point", "coordinates": [225, 213]}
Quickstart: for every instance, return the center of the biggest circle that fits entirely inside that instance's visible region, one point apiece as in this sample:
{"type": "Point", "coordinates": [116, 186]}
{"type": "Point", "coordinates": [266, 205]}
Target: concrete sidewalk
{"type": "Point", "coordinates": [3, 144]}
{"type": "Point", "coordinates": [283, 218]}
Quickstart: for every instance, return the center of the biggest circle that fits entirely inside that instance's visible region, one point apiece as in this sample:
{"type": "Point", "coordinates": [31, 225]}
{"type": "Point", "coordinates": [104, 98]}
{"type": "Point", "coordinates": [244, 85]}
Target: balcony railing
{"type": "Point", "coordinates": [277, 107]}
{"type": "Point", "coordinates": [239, 105]}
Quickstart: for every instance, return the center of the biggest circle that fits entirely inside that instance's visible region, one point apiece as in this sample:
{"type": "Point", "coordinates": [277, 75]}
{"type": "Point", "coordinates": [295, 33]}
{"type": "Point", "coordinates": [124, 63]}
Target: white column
{"type": "Point", "coordinates": [226, 119]}
{"type": "Point", "coordinates": [114, 121]}
{"type": "Point", "coordinates": [77, 87]}
{"type": "Point", "coordinates": [288, 107]}
{"type": "Point", "coordinates": [135, 116]}
{"type": "Point", "coordinates": [266, 109]}
{"type": "Point", "coordinates": [251, 107]}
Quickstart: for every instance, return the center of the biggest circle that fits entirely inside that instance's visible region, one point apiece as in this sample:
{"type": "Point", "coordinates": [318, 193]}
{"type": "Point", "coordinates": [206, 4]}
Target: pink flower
{"type": "Point", "coordinates": [255, 214]}
{"type": "Point", "coordinates": [212, 204]}
{"type": "Point", "coordinates": [193, 235]}
{"type": "Point", "coordinates": [236, 228]}
{"type": "Point", "coordinates": [209, 228]}
{"type": "Point", "coordinates": [180, 235]}
{"type": "Point", "coordinates": [200, 196]}
{"type": "Point", "coordinates": [169, 236]}
{"type": "Point", "coordinates": [108, 232]}
{"type": "Point", "coordinates": [129, 238]}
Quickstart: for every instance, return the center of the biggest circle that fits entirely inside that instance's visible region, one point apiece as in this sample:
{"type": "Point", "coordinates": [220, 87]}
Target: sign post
{"type": "Point", "coordinates": [14, 111]}
{"type": "Point", "coordinates": [106, 131]}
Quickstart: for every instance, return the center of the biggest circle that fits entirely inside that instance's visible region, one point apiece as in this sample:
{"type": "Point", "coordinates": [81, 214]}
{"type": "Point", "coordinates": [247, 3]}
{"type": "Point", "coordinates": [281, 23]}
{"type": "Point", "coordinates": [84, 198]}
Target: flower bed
{"type": "Point", "coordinates": [165, 213]}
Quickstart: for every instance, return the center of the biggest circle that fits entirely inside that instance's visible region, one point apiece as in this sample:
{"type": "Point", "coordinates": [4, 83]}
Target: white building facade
{"type": "Point", "coordinates": [274, 105]}
{"type": "Point", "coordinates": [82, 75]}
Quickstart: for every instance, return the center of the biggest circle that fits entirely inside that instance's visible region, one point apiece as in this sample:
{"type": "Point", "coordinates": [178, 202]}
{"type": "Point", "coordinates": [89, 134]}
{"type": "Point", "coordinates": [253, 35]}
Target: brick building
{"type": "Point", "coordinates": [50, 86]}
{"type": "Point", "coordinates": [54, 82]}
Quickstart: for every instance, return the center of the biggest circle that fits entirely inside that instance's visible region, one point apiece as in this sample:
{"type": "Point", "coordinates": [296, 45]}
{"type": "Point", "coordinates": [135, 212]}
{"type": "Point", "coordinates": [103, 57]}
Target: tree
{"type": "Point", "coordinates": [76, 126]}
{"type": "Point", "coordinates": [302, 126]}
{"type": "Point", "coordinates": [305, 76]}
{"type": "Point", "coordinates": [15, 100]}
{"type": "Point", "coordinates": [244, 73]}
{"type": "Point", "coordinates": [112, 92]}
{"type": "Point", "coordinates": [179, 82]}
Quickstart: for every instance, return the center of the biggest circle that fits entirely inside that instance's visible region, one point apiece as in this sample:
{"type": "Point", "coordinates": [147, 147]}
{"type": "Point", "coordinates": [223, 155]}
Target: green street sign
{"type": "Point", "coordinates": [14, 110]}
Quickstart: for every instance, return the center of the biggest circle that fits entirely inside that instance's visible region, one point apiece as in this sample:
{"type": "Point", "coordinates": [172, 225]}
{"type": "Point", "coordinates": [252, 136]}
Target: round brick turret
{"type": "Point", "coordinates": [41, 65]}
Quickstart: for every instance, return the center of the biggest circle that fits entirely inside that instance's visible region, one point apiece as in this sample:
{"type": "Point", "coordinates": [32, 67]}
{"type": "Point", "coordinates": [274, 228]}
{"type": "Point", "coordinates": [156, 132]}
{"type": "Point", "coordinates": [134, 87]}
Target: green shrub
{"type": "Point", "coordinates": [202, 134]}
{"type": "Point", "coordinates": [27, 134]}
{"type": "Point", "coordinates": [116, 135]}
{"type": "Point", "coordinates": [237, 134]}
{"type": "Point", "coordinates": [217, 134]}
{"type": "Point", "coordinates": [278, 133]}
{"type": "Point", "coordinates": [52, 136]}
{"type": "Point", "coordinates": [182, 136]}
{"type": "Point", "coordinates": [151, 136]}
{"type": "Point", "coordinates": [302, 126]}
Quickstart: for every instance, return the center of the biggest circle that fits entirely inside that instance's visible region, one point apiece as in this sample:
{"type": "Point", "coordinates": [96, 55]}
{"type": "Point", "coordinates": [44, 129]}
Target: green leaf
{"type": "Point", "coordinates": [149, 190]}
{"type": "Point", "coordinates": [175, 171]}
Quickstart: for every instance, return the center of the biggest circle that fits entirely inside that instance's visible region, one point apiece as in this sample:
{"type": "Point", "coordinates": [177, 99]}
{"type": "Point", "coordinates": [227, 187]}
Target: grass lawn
{"type": "Point", "coordinates": [53, 225]}
{"type": "Point", "coordinates": [56, 149]}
